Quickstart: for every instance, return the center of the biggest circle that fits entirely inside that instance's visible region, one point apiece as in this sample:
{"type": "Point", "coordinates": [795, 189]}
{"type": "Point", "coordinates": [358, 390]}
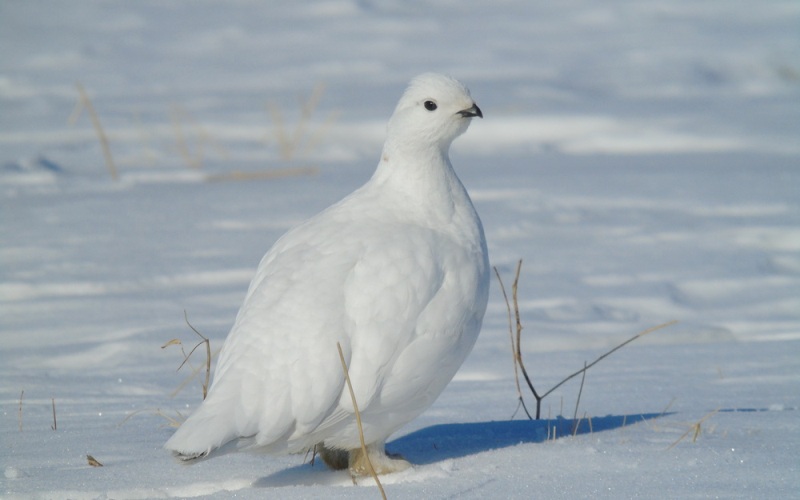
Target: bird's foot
{"type": "Point", "coordinates": [382, 463]}
{"type": "Point", "coordinates": [334, 458]}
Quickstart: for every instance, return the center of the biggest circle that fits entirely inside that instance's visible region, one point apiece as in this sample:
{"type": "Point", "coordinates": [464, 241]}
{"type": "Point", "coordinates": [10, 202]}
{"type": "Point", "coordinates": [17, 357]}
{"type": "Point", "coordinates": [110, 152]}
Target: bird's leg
{"type": "Point", "coordinates": [334, 458]}
{"type": "Point", "coordinates": [381, 462]}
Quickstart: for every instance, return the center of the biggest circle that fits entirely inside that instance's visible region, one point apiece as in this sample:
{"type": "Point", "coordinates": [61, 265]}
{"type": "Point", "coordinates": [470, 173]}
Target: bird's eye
{"type": "Point", "coordinates": [430, 105]}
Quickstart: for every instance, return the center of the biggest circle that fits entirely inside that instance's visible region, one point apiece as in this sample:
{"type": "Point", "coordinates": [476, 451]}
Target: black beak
{"type": "Point", "coordinates": [470, 112]}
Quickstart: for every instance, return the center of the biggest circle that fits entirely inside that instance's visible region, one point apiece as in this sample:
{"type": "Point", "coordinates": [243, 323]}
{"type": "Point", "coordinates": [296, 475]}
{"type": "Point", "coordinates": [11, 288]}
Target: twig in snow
{"type": "Point", "coordinates": [358, 421]}
{"type": "Point", "coordinates": [208, 353]}
{"type": "Point", "coordinates": [515, 357]}
{"type": "Point", "coordinates": [19, 416]}
{"type": "Point", "coordinates": [274, 173]}
{"type": "Point", "coordinates": [578, 401]}
{"type": "Point", "coordinates": [696, 427]}
{"type": "Point", "coordinates": [177, 114]}
{"type": "Point", "coordinates": [172, 421]}
{"type": "Point", "coordinates": [664, 411]}
{"type": "Point", "coordinates": [85, 102]}
{"type": "Point", "coordinates": [186, 357]}
{"type": "Point", "coordinates": [289, 143]}
{"type": "Point", "coordinates": [193, 157]}
{"type": "Point", "coordinates": [518, 355]}
{"type": "Point", "coordinates": [55, 424]}
{"type": "Point", "coordinates": [608, 353]}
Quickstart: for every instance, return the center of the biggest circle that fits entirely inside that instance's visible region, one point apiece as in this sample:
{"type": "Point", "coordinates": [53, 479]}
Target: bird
{"type": "Point", "coordinates": [396, 273]}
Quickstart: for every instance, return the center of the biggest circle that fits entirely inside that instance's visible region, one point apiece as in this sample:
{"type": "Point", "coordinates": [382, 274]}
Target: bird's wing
{"type": "Point", "coordinates": [279, 371]}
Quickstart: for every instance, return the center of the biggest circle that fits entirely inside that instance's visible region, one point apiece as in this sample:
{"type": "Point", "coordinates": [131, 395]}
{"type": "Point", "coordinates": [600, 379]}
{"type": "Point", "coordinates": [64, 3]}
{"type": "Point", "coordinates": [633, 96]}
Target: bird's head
{"type": "Point", "coordinates": [434, 110]}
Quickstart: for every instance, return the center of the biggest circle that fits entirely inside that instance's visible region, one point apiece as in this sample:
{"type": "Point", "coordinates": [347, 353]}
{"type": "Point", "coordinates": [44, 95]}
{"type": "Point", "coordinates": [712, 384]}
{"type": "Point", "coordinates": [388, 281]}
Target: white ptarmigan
{"type": "Point", "coordinates": [397, 273]}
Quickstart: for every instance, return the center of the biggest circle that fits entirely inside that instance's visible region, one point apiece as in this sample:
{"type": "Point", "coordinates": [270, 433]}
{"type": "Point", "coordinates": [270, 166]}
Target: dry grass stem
{"type": "Point", "coordinates": [284, 145]}
{"type": "Point", "coordinates": [608, 353]}
{"type": "Point", "coordinates": [307, 109]}
{"type": "Point", "coordinates": [148, 155]}
{"type": "Point", "coordinates": [177, 115]}
{"type": "Point", "coordinates": [55, 423]}
{"type": "Point", "coordinates": [171, 421]}
{"type": "Point", "coordinates": [208, 354]}
{"type": "Point", "coordinates": [696, 428]}
{"type": "Point", "coordinates": [578, 400]}
{"type": "Point", "coordinates": [189, 378]}
{"type": "Point", "coordinates": [317, 136]}
{"type": "Point", "coordinates": [276, 173]}
{"type": "Point", "coordinates": [516, 347]}
{"type": "Point", "coordinates": [19, 415]}
{"type": "Point", "coordinates": [517, 350]}
{"type": "Point", "coordinates": [358, 421]}
{"type": "Point", "coordinates": [289, 143]}
{"type": "Point", "coordinates": [669, 405]}
{"type": "Point", "coordinates": [192, 156]}
{"type": "Point", "coordinates": [205, 383]}
{"type": "Point", "coordinates": [575, 425]}
{"type": "Point", "coordinates": [514, 357]}
{"type": "Point", "coordinates": [85, 102]}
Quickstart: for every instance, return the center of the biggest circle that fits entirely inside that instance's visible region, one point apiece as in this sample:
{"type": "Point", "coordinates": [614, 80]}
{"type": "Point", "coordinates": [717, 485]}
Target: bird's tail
{"type": "Point", "coordinates": [202, 433]}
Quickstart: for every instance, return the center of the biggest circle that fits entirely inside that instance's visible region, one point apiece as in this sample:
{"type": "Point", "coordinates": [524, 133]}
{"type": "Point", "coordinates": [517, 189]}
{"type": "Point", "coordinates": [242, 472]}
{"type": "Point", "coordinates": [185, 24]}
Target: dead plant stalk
{"type": "Point", "coordinates": [19, 415]}
{"type": "Point", "coordinates": [85, 102]}
{"type": "Point", "coordinates": [186, 357]}
{"type": "Point", "coordinates": [289, 142]}
{"type": "Point", "coordinates": [517, 351]}
{"type": "Point", "coordinates": [696, 427]}
{"type": "Point", "coordinates": [177, 116]}
{"type": "Point", "coordinates": [55, 423]}
{"type": "Point", "coordinates": [358, 421]}
{"type": "Point", "coordinates": [578, 402]}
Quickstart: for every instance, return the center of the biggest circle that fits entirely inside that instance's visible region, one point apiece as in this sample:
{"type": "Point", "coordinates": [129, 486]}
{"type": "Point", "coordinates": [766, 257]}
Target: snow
{"type": "Point", "coordinates": [640, 157]}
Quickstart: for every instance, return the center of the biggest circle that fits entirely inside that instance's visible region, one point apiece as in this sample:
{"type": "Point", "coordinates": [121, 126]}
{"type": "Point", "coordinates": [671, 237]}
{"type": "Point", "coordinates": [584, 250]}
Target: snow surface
{"type": "Point", "coordinates": [640, 157]}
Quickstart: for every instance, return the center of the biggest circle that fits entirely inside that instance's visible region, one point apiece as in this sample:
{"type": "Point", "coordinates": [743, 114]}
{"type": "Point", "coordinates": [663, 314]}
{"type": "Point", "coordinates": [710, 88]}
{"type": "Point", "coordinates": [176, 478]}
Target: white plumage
{"type": "Point", "coordinates": [397, 273]}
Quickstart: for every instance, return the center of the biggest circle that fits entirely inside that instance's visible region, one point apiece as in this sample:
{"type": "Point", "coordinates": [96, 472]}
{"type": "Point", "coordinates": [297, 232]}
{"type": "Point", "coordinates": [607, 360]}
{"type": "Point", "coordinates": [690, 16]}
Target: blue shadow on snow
{"type": "Point", "coordinates": [445, 441]}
